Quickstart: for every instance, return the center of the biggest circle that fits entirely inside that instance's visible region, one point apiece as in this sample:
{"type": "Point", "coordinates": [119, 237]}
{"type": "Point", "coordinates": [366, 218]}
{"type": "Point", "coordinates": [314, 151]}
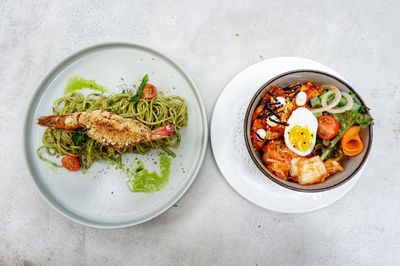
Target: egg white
{"type": "Point", "coordinates": [304, 118]}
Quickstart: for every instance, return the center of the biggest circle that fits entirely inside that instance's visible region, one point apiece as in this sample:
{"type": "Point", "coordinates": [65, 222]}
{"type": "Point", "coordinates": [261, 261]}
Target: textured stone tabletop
{"type": "Point", "coordinates": [212, 41]}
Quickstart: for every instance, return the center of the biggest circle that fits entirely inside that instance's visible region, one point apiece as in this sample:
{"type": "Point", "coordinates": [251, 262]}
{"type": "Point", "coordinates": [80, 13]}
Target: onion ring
{"type": "Point", "coordinates": [348, 106]}
{"type": "Point", "coordinates": [325, 106]}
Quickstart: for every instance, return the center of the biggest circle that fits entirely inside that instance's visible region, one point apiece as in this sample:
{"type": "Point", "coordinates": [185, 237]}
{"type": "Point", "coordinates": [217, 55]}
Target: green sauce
{"type": "Point", "coordinates": [141, 180]}
{"type": "Point", "coordinates": [79, 83]}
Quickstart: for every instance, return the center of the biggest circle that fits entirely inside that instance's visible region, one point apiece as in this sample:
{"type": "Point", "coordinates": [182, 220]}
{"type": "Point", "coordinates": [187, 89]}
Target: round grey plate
{"type": "Point", "coordinates": [100, 197]}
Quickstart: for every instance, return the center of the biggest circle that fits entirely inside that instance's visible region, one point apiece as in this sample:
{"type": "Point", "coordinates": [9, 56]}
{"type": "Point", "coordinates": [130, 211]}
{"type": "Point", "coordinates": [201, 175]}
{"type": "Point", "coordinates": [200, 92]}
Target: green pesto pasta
{"type": "Point", "coordinates": [154, 113]}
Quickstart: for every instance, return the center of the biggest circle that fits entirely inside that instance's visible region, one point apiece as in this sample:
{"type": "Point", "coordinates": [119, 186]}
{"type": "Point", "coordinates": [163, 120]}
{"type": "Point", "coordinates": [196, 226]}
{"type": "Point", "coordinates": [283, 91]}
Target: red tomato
{"type": "Point", "coordinates": [328, 127]}
{"type": "Point", "coordinates": [149, 91]}
{"type": "Point", "coordinates": [71, 163]}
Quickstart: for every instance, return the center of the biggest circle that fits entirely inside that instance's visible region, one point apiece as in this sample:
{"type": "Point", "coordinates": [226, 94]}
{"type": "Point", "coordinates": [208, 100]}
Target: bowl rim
{"type": "Point", "coordinates": [276, 179]}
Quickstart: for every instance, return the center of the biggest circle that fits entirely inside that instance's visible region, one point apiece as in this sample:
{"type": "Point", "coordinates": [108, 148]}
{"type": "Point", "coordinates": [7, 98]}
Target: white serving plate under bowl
{"type": "Point", "coordinates": [232, 156]}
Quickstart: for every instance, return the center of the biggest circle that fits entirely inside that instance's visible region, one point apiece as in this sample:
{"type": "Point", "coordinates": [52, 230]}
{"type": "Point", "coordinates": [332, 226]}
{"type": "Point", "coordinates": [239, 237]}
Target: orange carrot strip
{"type": "Point", "coordinates": [351, 141]}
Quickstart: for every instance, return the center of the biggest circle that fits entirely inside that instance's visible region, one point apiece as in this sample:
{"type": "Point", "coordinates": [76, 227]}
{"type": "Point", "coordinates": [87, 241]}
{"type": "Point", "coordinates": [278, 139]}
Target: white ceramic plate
{"type": "Point", "coordinates": [100, 197]}
{"type": "Point", "coordinates": [230, 150]}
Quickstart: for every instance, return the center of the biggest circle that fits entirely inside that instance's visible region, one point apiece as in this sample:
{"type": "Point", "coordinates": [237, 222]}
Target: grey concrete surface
{"type": "Point", "coordinates": [212, 41]}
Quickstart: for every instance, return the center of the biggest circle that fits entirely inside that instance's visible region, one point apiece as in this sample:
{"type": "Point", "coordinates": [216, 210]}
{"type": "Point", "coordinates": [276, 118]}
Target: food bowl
{"type": "Point", "coordinates": [351, 165]}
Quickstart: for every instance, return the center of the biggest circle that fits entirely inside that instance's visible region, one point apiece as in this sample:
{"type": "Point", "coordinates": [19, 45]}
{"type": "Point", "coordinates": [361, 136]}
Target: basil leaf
{"type": "Point", "coordinates": [139, 92]}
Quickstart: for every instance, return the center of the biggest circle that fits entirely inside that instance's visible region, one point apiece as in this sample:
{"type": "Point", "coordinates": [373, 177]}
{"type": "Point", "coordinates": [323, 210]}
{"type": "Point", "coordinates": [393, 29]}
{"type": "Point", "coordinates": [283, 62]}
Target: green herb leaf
{"type": "Point", "coordinates": [342, 102]}
{"type": "Point", "coordinates": [326, 143]}
{"type": "Point", "coordinates": [139, 92]}
{"type": "Point", "coordinates": [315, 102]}
{"type": "Point", "coordinates": [78, 138]}
{"type": "Point", "coordinates": [356, 107]}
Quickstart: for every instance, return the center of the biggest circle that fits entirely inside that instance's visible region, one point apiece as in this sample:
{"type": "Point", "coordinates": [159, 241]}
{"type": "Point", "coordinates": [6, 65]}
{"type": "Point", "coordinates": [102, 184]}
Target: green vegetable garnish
{"type": "Point", "coordinates": [326, 142]}
{"type": "Point", "coordinates": [318, 100]}
{"type": "Point", "coordinates": [315, 102]}
{"type": "Point", "coordinates": [352, 94]}
{"type": "Point", "coordinates": [346, 120]}
{"type": "Point", "coordinates": [139, 92]}
{"type": "Point", "coordinates": [78, 138]}
{"type": "Point", "coordinates": [356, 107]}
{"type": "Point", "coordinates": [342, 102]}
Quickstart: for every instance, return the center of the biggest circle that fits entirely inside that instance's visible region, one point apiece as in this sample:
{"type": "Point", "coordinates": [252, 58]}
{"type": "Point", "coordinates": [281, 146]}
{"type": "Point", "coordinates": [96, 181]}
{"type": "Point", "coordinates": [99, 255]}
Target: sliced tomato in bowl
{"type": "Point", "coordinates": [328, 127]}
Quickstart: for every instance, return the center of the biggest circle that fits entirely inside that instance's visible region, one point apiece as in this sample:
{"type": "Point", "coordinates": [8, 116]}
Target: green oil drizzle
{"type": "Point", "coordinates": [78, 83]}
{"type": "Point", "coordinates": [141, 180]}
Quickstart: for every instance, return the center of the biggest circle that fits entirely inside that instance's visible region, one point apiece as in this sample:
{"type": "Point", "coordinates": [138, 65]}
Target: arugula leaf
{"type": "Point", "coordinates": [346, 120]}
{"type": "Point", "coordinates": [78, 138]}
{"type": "Point", "coordinates": [139, 92]}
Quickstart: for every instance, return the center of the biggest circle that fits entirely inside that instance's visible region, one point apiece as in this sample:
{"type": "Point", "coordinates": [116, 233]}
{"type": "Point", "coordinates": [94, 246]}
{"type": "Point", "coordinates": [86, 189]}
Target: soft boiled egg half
{"type": "Point", "coordinates": [300, 134]}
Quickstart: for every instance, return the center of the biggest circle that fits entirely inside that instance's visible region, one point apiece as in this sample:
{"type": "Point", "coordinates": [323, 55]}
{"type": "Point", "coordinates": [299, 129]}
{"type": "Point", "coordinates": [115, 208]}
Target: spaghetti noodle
{"type": "Point", "coordinates": [153, 113]}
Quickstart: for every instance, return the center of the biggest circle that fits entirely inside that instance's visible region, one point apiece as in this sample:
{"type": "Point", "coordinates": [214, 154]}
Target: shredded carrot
{"type": "Point", "coordinates": [351, 141]}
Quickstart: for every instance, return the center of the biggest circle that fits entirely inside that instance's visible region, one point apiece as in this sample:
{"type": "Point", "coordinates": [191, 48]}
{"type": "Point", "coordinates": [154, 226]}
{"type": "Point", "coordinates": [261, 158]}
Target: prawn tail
{"type": "Point", "coordinates": [66, 122]}
{"type": "Point", "coordinates": [163, 132]}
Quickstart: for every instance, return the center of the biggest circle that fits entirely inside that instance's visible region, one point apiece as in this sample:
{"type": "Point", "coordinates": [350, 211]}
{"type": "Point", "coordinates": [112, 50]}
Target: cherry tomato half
{"type": "Point", "coordinates": [328, 127]}
{"type": "Point", "coordinates": [149, 91]}
{"type": "Point", "coordinates": [71, 163]}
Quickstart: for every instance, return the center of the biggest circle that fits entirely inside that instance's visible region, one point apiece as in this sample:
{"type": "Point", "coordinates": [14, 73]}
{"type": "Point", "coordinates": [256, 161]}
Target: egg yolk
{"type": "Point", "coordinates": [300, 138]}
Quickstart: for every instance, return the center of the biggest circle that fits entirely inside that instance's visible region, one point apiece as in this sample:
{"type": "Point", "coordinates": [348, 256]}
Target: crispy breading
{"type": "Point", "coordinates": [113, 130]}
